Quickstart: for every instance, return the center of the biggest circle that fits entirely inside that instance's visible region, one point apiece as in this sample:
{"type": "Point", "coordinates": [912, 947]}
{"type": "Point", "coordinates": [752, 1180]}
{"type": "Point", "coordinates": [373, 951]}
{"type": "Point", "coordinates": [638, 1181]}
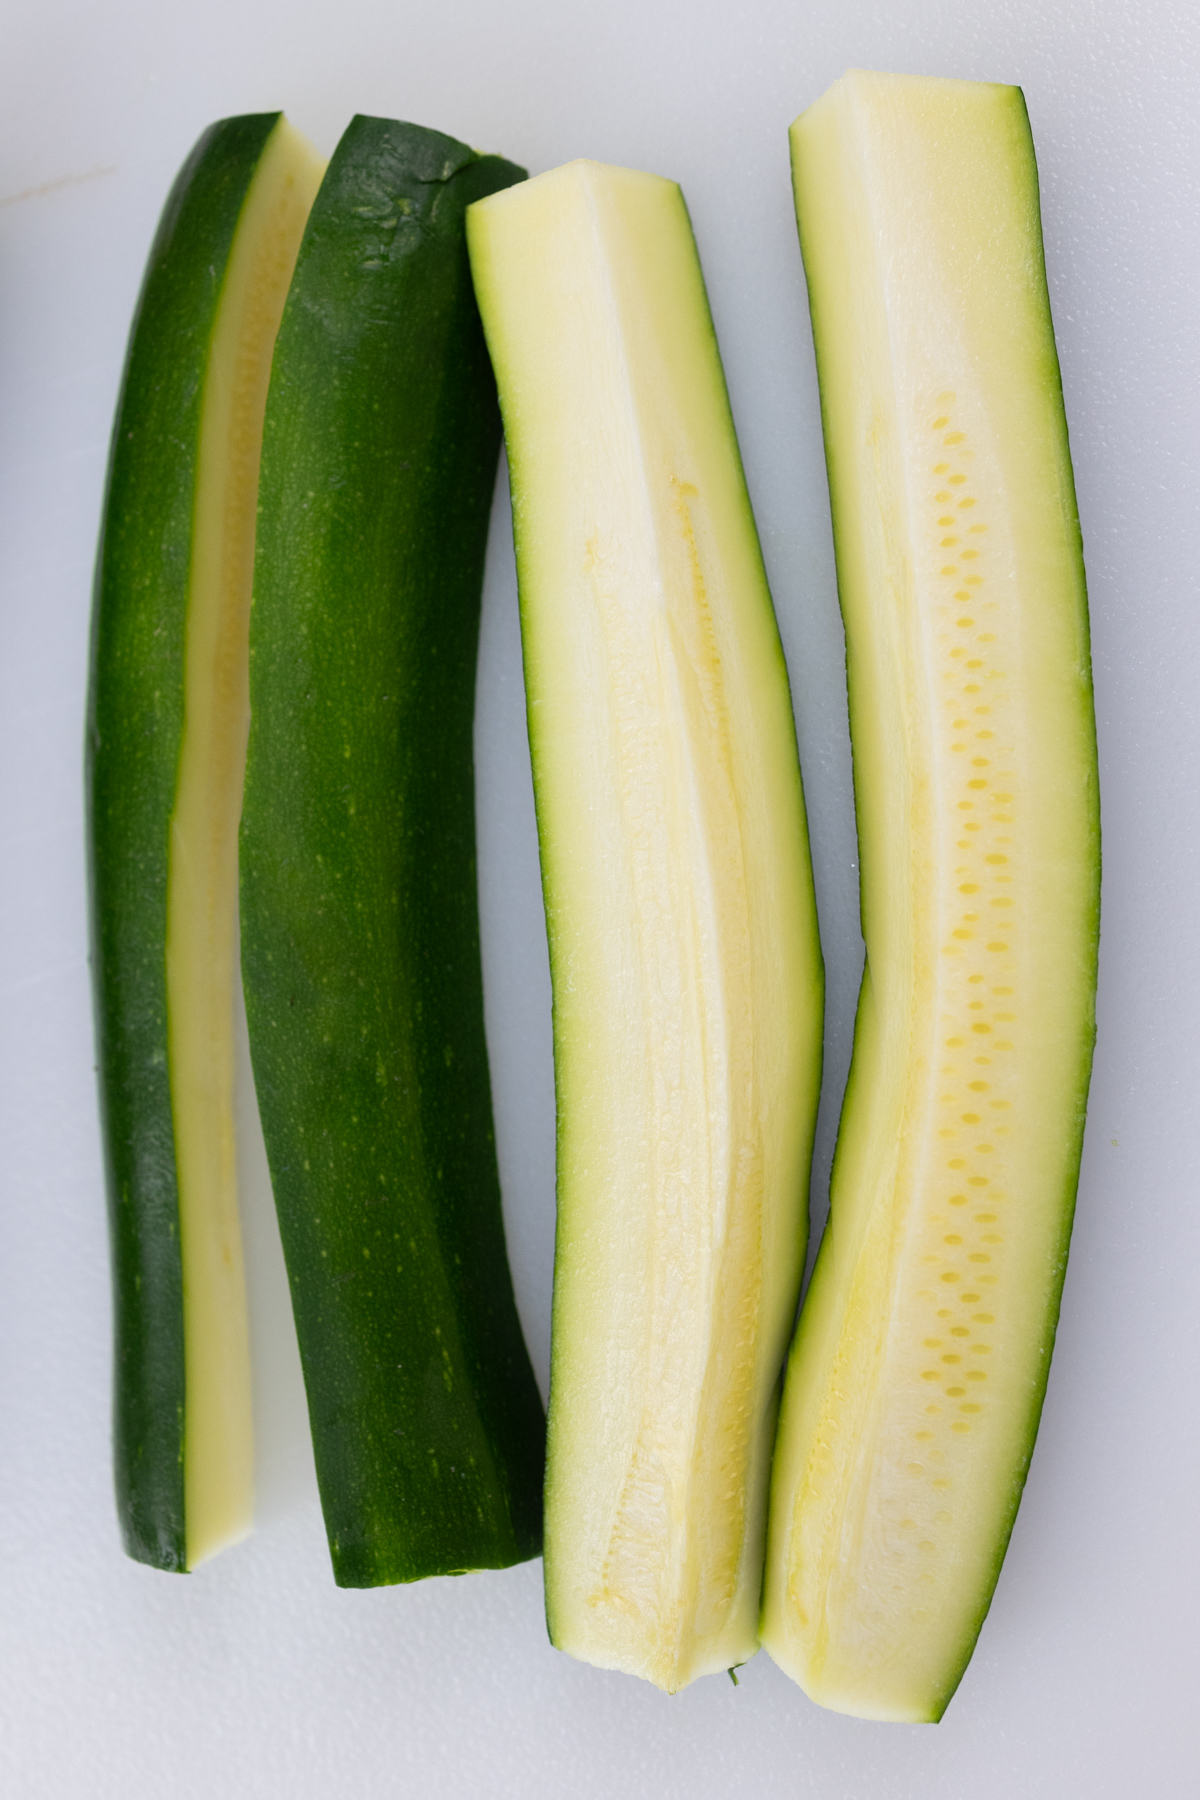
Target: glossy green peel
{"type": "Point", "coordinates": [360, 937]}
{"type": "Point", "coordinates": [167, 725]}
{"type": "Point", "coordinates": [916, 1380]}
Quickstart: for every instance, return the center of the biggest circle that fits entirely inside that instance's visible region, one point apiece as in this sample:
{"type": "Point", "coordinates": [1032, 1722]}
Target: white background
{"type": "Point", "coordinates": [256, 1676]}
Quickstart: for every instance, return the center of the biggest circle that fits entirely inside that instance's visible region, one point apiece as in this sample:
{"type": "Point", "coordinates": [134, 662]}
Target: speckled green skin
{"type": "Point", "coordinates": [360, 936]}
{"type": "Point", "coordinates": [134, 726]}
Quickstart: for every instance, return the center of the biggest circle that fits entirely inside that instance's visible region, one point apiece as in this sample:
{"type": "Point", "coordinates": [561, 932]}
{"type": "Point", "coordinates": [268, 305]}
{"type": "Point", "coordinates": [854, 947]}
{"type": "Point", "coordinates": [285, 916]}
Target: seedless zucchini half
{"type": "Point", "coordinates": [916, 1381]}
{"type": "Point", "coordinates": [360, 935]}
{"type": "Point", "coordinates": [679, 902]}
{"type": "Point", "coordinates": [166, 748]}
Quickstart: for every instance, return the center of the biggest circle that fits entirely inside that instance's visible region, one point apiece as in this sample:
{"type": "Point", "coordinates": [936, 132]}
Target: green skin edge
{"type": "Point", "coordinates": [1037, 1391]}
{"type": "Point", "coordinates": [133, 734]}
{"type": "Point", "coordinates": [360, 933]}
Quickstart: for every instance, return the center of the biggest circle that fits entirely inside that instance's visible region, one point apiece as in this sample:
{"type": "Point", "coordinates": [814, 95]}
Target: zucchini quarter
{"type": "Point", "coordinates": [916, 1380]}
{"type": "Point", "coordinates": [360, 933]}
{"type": "Point", "coordinates": [166, 743]}
{"type": "Point", "coordinates": [166, 747]}
{"type": "Point", "coordinates": [679, 902]}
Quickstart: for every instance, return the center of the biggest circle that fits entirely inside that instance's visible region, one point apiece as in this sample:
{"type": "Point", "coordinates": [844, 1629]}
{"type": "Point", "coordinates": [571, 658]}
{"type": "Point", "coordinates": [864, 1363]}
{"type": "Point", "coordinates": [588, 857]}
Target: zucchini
{"type": "Point", "coordinates": [166, 738]}
{"type": "Point", "coordinates": [916, 1380]}
{"type": "Point", "coordinates": [679, 902]}
{"type": "Point", "coordinates": [360, 934]}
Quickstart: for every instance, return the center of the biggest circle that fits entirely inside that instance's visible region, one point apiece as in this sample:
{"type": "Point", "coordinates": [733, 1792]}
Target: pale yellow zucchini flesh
{"type": "Point", "coordinates": [915, 1384]}
{"type": "Point", "coordinates": [679, 902]}
{"type": "Point", "coordinates": [202, 859]}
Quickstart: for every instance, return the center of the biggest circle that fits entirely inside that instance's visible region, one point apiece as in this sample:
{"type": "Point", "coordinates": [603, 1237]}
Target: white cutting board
{"type": "Point", "coordinates": [256, 1676]}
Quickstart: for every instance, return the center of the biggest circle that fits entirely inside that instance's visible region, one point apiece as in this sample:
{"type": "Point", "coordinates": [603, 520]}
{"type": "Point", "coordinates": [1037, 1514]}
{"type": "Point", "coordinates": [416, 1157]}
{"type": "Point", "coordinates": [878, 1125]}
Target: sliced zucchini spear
{"type": "Point", "coordinates": [679, 902]}
{"type": "Point", "coordinates": [360, 934]}
{"type": "Point", "coordinates": [917, 1376]}
{"type": "Point", "coordinates": [166, 745]}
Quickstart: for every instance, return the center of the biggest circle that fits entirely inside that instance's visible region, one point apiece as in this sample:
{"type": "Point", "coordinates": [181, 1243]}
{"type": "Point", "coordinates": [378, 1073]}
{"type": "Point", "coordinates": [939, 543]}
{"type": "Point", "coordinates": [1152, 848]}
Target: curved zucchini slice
{"type": "Point", "coordinates": [917, 1376]}
{"type": "Point", "coordinates": [679, 902]}
{"type": "Point", "coordinates": [166, 748]}
{"type": "Point", "coordinates": [360, 934]}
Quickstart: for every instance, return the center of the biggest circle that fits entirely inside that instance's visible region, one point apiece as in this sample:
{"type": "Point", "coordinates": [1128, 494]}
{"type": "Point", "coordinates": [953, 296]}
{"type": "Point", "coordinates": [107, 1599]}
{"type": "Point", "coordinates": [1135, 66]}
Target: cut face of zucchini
{"type": "Point", "coordinates": [916, 1380]}
{"type": "Point", "coordinates": [166, 750]}
{"type": "Point", "coordinates": [360, 935]}
{"type": "Point", "coordinates": [679, 903]}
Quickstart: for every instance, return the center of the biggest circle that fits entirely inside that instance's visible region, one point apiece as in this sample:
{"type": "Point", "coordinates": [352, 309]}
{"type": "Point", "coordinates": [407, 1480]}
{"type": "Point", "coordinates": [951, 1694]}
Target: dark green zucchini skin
{"type": "Point", "coordinates": [360, 936]}
{"type": "Point", "coordinates": [134, 728]}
